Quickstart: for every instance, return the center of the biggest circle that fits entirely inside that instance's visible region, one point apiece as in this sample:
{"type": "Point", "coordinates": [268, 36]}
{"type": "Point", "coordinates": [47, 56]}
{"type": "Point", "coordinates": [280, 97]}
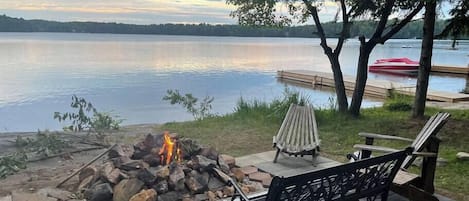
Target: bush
{"type": "Point", "coordinates": [87, 117]}
{"type": "Point", "coordinates": [398, 102]}
{"type": "Point", "coordinates": [189, 102]}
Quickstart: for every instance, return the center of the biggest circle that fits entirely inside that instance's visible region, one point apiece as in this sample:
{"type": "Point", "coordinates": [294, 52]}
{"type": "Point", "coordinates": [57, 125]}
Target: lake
{"type": "Point", "coordinates": [128, 75]}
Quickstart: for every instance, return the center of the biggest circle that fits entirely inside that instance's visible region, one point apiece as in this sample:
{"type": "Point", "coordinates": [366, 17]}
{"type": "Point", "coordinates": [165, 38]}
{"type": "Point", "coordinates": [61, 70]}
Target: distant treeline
{"type": "Point", "coordinates": [9, 24]}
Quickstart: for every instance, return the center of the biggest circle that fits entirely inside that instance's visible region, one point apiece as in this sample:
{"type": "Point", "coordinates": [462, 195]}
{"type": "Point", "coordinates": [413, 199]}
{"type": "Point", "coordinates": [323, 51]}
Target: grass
{"type": "Point", "coordinates": [249, 129]}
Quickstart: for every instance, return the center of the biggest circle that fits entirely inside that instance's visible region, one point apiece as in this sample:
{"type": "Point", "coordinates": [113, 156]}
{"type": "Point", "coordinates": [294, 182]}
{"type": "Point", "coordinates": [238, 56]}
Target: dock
{"type": "Point", "coordinates": [450, 69]}
{"type": "Point", "coordinates": [374, 88]}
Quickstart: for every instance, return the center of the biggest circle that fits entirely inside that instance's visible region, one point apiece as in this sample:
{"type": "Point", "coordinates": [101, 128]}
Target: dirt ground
{"type": "Point", "coordinates": [49, 172]}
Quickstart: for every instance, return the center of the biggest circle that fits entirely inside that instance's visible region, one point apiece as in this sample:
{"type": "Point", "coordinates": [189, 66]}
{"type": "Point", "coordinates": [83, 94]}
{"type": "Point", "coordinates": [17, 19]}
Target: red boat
{"type": "Point", "coordinates": [400, 66]}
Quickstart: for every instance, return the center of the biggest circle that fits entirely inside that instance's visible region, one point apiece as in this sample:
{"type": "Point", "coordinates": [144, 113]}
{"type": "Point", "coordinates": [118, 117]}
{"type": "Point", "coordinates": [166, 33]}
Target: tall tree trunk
{"type": "Point", "coordinates": [339, 83]}
{"type": "Point", "coordinates": [425, 59]}
{"type": "Point", "coordinates": [362, 76]}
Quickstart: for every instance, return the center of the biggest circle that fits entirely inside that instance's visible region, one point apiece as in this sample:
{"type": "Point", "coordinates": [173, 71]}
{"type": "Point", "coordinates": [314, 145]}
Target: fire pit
{"type": "Point", "coordinates": [167, 167]}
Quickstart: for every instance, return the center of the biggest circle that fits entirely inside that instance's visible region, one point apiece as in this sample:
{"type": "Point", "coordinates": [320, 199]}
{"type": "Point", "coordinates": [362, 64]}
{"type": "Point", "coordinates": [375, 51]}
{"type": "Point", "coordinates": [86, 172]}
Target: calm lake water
{"type": "Point", "coordinates": [128, 75]}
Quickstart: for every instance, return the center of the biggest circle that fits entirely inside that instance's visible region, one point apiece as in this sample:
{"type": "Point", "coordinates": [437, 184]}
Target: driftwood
{"type": "Point", "coordinates": [86, 165]}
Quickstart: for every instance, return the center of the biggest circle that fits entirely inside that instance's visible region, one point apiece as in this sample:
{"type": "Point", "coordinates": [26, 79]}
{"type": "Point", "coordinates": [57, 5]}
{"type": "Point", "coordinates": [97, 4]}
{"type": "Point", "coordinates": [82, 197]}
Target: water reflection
{"type": "Point", "coordinates": [129, 74]}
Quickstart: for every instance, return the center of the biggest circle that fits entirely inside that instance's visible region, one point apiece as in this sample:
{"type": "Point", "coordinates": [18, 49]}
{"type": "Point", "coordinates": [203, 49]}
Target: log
{"type": "Point", "coordinates": [86, 165]}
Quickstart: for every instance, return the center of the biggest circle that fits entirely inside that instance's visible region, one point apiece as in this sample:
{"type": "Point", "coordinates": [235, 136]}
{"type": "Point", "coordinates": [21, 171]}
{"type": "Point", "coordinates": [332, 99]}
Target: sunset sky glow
{"type": "Point", "coordinates": [127, 11]}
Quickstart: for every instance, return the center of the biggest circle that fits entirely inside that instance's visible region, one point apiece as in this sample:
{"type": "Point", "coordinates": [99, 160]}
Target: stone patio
{"type": "Point", "coordinates": [288, 166]}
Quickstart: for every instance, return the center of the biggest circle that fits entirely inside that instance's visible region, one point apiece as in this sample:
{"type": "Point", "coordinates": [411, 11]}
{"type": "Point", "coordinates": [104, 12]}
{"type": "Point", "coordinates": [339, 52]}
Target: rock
{"type": "Point", "coordinates": [462, 156]}
{"type": "Point", "coordinates": [21, 196]}
{"type": "Point", "coordinates": [161, 187]}
{"type": "Point", "coordinates": [144, 195]}
{"type": "Point", "coordinates": [134, 165]}
{"type": "Point", "coordinates": [86, 183]}
{"type": "Point", "coordinates": [55, 193]}
{"type": "Point", "coordinates": [120, 160]}
{"type": "Point", "coordinates": [194, 186]}
{"type": "Point", "coordinates": [245, 189]}
{"type": "Point", "coordinates": [176, 178]}
{"type": "Point", "coordinates": [110, 174]}
{"type": "Point", "coordinates": [146, 176]}
{"type": "Point", "coordinates": [219, 194]}
{"type": "Point", "coordinates": [187, 198]}
{"type": "Point", "coordinates": [116, 151]}
{"type": "Point", "coordinates": [249, 170]}
{"type": "Point", "coordinates": [88, 171]}
{"type": "Point", "coordinates": [229, 160]}
{"type": "Point", "coordinates": [126, 189]}
{"type": "Point", "coordinates": [238, 174]}
{"type": "Point", "coordinates": [215, 184]}
{"type": "Point", "coordinates": [99, 192]}
{"type": "Point", "coordinates": [260, 176]}
{"type": "Point", "coordinates": [200, 197]}
{"type": "Point", "coordinates": [170, 196]}
{"type": "Point", "coordinates": [152, 160]}
{"type": "Point", "coordinates": [228, 191]}
{"type": "Point", "coordinates": [139, 154]}
{"type": "Point", "coordinates": [211, 196]}
{"type": "Point", "coordinates": [223, 165]}
{"type": "Point", "coordinates": [162, 173]}
{"type": "Point", "coordinates": [209, 152]}
{"type": "Point", "coordinates": [203, 163]}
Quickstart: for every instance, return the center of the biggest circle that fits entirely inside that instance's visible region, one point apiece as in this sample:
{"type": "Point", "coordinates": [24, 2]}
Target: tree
{"type": "Point", "coordinates": [458, 24]}
{"type": "Point", "coordinates": [425, 59]}
{"type": "Point", "coordinates": [263, 12]}
{"type": "Point", "coordinates": [381, 11]}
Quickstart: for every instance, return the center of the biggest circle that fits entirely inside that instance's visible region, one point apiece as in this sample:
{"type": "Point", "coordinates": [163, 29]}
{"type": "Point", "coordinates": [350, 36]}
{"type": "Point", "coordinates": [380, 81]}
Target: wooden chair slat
{"type": "Point", "coordinates": [298, 133]}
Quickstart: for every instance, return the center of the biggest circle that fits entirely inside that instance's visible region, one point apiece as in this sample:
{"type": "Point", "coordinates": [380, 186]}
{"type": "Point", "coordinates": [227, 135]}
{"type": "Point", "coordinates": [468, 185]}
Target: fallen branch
{"type": "Point", "coordinates": [86, 165]}
{"type": "Point", "coordinates": [61, 154]}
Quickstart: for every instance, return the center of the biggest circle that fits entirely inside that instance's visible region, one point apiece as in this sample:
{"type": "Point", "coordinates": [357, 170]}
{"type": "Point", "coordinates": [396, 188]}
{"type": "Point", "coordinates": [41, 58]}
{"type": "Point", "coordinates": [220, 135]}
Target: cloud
{"type": "Point", "coordinates": [135, 11]}
{"type": "Point", "coordinates": [131, 11]}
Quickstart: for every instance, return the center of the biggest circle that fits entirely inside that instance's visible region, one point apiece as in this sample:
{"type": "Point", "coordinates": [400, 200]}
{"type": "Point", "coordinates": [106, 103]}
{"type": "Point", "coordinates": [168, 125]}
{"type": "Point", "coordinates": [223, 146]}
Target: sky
{"type": "Point", "coordinates": [134, 11]}
{"type": "Point", "coordinates": [126, 11]}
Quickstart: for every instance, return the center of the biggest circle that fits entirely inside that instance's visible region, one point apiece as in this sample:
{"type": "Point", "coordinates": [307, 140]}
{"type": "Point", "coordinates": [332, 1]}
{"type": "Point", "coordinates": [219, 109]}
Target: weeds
{"type": "Point", "coordinates": [190, 103]}
{"type": "Point", "coordinates": [398, 102]}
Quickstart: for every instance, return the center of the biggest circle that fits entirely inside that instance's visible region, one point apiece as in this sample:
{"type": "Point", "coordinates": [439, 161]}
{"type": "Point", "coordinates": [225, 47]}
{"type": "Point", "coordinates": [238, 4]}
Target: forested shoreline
{"type": "Point", "coordinates": [10, 24]}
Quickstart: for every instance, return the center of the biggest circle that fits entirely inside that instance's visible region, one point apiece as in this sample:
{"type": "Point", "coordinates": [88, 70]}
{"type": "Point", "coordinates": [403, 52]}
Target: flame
{"type": "Point", "coordinates": [167, 150]}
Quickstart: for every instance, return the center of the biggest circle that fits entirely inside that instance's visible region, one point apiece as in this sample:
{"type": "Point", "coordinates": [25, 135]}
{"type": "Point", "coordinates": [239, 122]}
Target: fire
{"type": "Point", "coordinates": [167, 150]}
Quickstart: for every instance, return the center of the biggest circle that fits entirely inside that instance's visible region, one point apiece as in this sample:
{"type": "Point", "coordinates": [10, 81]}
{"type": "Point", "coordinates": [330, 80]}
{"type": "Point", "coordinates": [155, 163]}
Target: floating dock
{"type": "Point", "coordinates": [450, 69]}
{"type": "Point", "coordinates": [374, 88]}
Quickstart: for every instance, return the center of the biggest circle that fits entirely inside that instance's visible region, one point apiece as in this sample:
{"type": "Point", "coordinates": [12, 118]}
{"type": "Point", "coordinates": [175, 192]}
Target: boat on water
{"type": "Point", "coordinates": [397, 66]}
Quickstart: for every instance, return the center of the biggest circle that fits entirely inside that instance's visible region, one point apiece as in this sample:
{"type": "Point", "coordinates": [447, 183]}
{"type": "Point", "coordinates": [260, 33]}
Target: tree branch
{"type": "Point", "coordinates": [314, 12]}
{"type": "Point", "coordinates": [383, 19]}
{"type": "Point", "coordinates": [345, 28]}
{"type": "Point", "coordinates": [401, 24]}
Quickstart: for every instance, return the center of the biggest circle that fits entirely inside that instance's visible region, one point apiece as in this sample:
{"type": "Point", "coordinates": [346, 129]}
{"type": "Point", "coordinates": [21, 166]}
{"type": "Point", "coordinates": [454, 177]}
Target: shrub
{"type": "Point", "coordinates": [88, 118]}
{"type": "Point", "coordinates": [398, 102]}
{"type": "Point", "coordinates": [190, 103]}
